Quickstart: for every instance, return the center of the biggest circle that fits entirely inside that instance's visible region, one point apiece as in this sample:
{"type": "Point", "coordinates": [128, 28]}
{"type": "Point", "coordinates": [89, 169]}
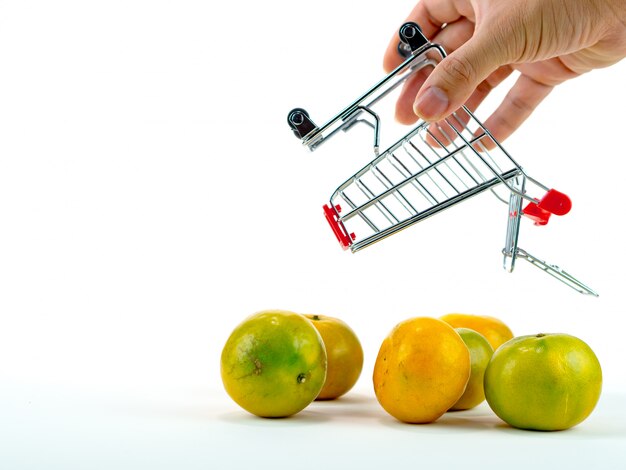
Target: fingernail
{"type": "Point", "coordinates": [432, 104]}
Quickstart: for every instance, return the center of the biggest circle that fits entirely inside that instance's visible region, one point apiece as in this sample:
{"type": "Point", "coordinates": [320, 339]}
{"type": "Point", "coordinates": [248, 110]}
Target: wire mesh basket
{"type": "Point", "coordinates": [431, 168]}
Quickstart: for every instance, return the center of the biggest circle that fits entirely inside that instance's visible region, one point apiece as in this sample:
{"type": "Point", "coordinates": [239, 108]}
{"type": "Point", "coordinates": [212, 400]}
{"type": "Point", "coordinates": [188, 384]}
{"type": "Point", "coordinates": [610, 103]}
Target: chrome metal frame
{"type": "Point", "coordinates": [431, 168]}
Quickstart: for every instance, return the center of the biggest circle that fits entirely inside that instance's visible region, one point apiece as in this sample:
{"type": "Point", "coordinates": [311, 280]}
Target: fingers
{"type": "Point", "coordinates": [518, 104]}
{"type": "Point", "coordinates": [430, 15]}
{"type": "Point", "coordinates": [404, 104]}
{"type": "Point", "coordinates": [486, 86]}
{"type": "Point", "coordinates": [551, 71]}
{"type": "Point", "coordinates": [451, 38]}
{"type": "Point", "coordinates": [456, 77]}
{"type": "Point", "coordinates": [442, 131]}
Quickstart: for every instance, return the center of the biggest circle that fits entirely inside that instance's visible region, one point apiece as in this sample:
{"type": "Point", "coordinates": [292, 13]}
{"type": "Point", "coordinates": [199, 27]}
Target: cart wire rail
{"type": "Point", "coordinates": [431, 168]}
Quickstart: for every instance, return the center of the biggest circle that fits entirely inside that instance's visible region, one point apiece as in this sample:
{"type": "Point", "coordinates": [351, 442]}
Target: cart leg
{"type": "Point", "coordinates": [512, 228]}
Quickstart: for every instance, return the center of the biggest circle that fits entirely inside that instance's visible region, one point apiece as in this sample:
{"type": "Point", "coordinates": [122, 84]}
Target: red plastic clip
{"type": "Point", "coordinates": [537, 214]}
{"type": "Point", "coordinates": [331, 214]}
{"type": "Point", "coordinates": [553, 202]}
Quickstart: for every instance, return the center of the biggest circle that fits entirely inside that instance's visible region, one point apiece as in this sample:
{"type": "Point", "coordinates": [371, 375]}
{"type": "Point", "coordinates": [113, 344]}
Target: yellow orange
{"type": "Point", "coordinates": [344, 355]}
{"type": "Point", "coordinates": [493, 329]}
{"type": "Point", "coordinates": [422, 369]}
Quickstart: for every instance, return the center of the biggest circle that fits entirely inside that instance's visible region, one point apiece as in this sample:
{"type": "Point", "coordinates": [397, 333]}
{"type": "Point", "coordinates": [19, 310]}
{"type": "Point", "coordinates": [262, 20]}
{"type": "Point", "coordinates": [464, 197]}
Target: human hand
{"type": "Point", "coordinates": [547, 41]}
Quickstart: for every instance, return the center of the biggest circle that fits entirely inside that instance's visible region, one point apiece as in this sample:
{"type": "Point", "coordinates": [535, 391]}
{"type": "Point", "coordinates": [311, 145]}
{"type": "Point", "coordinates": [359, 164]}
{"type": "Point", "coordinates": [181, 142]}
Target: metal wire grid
{"type": "Point", "coordinates": [431, 168]}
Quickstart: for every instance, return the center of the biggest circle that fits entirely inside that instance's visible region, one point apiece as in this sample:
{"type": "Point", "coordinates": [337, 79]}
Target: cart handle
{"type": "Point", "coordinates": [332, 217]}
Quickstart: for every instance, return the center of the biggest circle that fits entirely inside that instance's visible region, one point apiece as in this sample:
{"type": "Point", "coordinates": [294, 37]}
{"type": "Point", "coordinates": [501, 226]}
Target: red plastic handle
{"type": "Point", "coordinates": [556, 202]}
{"type": "Point", "coordinates": [345, 239]}
{"type": "Point", "coordinates": [553, 202]}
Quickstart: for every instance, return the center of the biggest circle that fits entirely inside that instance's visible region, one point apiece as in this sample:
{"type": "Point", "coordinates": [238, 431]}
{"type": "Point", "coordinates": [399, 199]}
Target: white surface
{"type": "Point", "coordinates": [200, 428]}
{"type": "Point", "coordinates": [152, 196]}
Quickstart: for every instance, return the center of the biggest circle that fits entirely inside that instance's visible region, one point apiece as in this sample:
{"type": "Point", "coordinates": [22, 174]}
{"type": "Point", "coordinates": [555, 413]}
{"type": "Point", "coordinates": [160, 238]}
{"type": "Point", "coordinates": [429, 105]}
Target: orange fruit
{"type": "Point", "coordinates": [494, 330]}
{"type": "Point", "coordinates": [421, 370]}
{"type": "Point", "coordinates": [480, 354]}
{"type": "Point", "coordinates": [274, 363]}
{"type": "Point", "coordinates": [344, 355]}
{"type": "Point", "coordinates": [545, 382]}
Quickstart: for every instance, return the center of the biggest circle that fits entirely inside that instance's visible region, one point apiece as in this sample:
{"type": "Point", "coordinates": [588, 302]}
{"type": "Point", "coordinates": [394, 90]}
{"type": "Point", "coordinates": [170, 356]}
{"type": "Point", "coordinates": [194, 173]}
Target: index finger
{"type": "Point", "coordinates": [430, 15]}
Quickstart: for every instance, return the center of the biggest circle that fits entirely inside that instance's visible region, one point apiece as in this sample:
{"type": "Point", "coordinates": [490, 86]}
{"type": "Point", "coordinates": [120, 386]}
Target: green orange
{"type": "Point", "coordinates": [480, 355]}
{"type": "Point", "coordinates": [545, 382]}
{"type": "Point", "coordinates": [274, 363]}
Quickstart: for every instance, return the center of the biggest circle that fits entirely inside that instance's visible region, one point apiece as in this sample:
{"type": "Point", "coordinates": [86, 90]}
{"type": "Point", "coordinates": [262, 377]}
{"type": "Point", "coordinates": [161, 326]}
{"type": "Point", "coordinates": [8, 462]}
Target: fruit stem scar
{"type": "Point", "coordinates": [301, 378]}
{"type": "Point", "coordinates": [540, 335]}
{"type": "Point", "coordinates": [315, 317]}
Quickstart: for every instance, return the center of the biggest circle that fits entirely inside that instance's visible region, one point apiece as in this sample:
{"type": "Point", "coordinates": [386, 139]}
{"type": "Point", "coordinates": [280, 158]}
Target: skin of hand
{"type": "Point", "coordinates": [547, 41]}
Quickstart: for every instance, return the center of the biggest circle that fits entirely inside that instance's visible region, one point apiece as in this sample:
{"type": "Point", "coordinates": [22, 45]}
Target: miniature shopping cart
{"type": "Point", "coordinates": [431, 168]}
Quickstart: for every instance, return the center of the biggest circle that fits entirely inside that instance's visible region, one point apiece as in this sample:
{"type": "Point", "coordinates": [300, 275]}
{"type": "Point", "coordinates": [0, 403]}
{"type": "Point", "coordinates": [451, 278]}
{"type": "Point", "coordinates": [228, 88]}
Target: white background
{"type": "Point", "coordinates": [152, 196]}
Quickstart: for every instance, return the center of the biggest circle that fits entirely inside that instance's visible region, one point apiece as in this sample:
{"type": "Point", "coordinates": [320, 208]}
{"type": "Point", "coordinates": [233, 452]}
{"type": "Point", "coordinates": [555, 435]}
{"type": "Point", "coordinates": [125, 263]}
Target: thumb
{"type": "Point", "coordinates": [456, 77]}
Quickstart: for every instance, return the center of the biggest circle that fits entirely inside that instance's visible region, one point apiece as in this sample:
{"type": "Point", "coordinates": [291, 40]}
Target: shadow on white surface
{"type": "Point", "coordinates": [356, 409]}
{"type": "Point", "coordinates": [304, 418]}
{"type": "Point", "coordinates": [446, 424]}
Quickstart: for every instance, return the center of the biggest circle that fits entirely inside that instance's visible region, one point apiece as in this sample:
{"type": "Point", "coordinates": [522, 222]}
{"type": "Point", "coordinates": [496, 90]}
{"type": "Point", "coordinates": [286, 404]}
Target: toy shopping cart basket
{"type": "Point", "coordinates": [431, 168]}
